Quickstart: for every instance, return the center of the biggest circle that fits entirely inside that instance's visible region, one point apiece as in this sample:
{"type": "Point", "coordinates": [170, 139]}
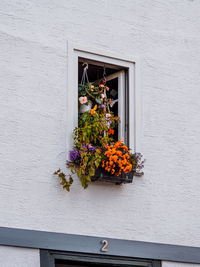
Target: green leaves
{"type": "Point", "coordinates": [85, 160]}
{"type": "Point", "coordinates": [56, 172]}
{"type": "Point", "coordinates": [88, 178]}
{"type": "Point", "coordinates": [79, 172]}
{"type": "Point", "coordinates": [84, 182]}
{"type": "Point", "coordinates": [92, 130]}
{"type": "Point", "coordinates": [92, 171]}
{"type": "Point", "coordinates": [63, 180]}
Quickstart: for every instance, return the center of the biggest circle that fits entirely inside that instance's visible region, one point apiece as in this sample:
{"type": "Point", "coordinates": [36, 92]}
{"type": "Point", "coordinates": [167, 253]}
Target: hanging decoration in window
{"type": "Point", "coordinates": [96, 154]}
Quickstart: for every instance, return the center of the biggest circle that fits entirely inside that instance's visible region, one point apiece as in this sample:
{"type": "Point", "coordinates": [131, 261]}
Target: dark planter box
{"type": "Point", "coordinates": [103, 176]}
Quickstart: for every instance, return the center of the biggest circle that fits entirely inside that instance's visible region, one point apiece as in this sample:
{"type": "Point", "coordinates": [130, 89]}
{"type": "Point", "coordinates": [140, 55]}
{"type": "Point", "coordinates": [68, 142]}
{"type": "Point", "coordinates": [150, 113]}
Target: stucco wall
{"type": "Point", "coordinates": [178, 264]}
{"type": "Point", "coordinates": [163, 206]}
{"type": "Point", "coordinates": [19, 257]}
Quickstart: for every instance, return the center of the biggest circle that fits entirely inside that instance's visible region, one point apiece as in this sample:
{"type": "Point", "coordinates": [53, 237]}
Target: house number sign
{"type": "Point", "coordinates": [104, 247]}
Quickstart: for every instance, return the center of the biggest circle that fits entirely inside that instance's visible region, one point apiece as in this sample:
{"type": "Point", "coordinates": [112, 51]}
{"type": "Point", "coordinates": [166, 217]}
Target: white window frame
{"type": "Point", "coordinates": [133, 67]}
{"type": "Point", "coordinates": [121, 103]}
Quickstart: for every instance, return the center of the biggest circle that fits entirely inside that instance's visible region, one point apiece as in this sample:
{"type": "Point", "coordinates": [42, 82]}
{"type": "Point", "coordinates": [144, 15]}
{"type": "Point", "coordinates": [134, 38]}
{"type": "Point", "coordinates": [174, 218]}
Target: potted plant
{"type": "Point", "coordinates": [96, 156]}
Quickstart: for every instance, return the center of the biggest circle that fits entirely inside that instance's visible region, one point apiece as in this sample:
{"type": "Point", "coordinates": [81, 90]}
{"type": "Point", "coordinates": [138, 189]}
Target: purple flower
{"type": "Point", "coordinates": [89, 147]}
{"type": "Point", "coordinates": [101, 106]}
{"type": "Point", "coordinates": [74, 154]}
{"type": "Point", "coordinates": [110, 122]}
{"type": "Point", "coordinates": [138, 155]}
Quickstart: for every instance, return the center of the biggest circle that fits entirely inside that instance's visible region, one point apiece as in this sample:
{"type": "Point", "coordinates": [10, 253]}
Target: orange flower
{"type": "Point", "coordinates": [120, 166]}
{"type": "Point", "coordinates": [92, 111]}
{"type": "Point", "coordinates": [125, 148]}
{"type": "Point", "coordinates": [110, 131]}
{"type": "Point", "coordinates": [128, 168]}
{"type": "Point", "coordinates": [113, 151]}
{"type": "Point", "coordinates": [113, 171]}
{"type": "Point", "coordinates": [118, 158]}
{"type": "Point", "coordinates": [117, 144]}
{"type": "Point", "coordinates": [124, 162]}
{"type": "Point", "coordinates": [119, 153]}
{"type": "Point", "coordinates": [127, 156]}
{"type": "Point", "coordinates": [118, 173]}
{"type": "Point", "coordinates": [115, 158]}
{"type": "Point", "coordinates": [108, 153]}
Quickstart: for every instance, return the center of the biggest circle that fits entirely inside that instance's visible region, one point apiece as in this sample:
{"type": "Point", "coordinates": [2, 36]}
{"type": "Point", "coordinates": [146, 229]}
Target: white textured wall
{"type": "Point", "coordinates": [19, 257]}
{"type": "Point", "coordinates": [163, 206]}
{"type": "Point", "coordinates": [178, 264]}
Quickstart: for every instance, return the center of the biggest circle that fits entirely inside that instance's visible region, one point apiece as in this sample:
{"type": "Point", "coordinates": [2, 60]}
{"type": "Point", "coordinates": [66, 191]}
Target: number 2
{"type": "Point", "coordinates": [105, 244]}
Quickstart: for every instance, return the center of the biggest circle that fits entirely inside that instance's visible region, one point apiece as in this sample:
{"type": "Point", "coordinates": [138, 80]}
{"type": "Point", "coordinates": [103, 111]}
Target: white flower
{"type": "Point", "coordinates": [83, 99]}
{"type": "Point", "coordinates": [102, 96]}
{"type": "Point", "coordinates": [108, 115]}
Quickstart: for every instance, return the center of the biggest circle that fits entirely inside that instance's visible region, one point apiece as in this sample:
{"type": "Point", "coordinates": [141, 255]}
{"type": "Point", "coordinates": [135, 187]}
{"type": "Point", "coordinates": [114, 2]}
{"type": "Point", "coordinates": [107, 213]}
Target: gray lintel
{"type": "Point", "coordinates": [89, 244]}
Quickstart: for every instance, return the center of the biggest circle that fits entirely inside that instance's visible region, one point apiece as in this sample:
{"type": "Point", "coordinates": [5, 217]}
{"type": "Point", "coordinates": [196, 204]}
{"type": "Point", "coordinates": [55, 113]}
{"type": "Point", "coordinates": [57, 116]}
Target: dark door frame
{"type": "Point", "coordinates": [48, 258]}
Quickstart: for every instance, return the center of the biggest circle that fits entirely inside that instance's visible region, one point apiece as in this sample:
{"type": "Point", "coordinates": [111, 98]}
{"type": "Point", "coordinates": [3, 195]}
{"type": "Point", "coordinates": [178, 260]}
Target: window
{"type": "Point", "coordinates": [122, 76]}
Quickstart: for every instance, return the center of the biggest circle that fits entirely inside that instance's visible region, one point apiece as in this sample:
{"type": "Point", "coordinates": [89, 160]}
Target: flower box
{"type": "Point", "coordinates": [102, 176]}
